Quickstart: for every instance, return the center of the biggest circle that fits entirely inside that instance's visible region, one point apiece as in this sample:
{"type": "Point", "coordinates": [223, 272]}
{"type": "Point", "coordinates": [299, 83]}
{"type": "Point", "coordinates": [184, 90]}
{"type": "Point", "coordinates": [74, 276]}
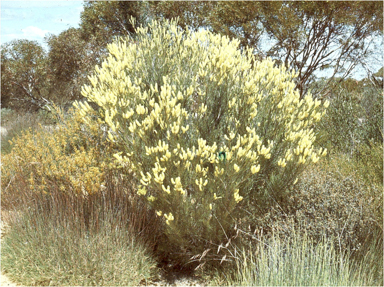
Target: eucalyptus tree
{"type": "Point", "coordinates": [71, 59]}
{"type": "Point", "coordinates": [24, 75]}
{"type": "Point", "coordinates": [103, 21]}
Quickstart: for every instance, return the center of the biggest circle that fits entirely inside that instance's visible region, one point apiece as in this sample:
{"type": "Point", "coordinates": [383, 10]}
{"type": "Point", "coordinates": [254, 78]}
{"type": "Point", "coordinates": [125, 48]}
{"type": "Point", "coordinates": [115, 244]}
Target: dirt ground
{"type": "Point", "coordinates": [4, 281]}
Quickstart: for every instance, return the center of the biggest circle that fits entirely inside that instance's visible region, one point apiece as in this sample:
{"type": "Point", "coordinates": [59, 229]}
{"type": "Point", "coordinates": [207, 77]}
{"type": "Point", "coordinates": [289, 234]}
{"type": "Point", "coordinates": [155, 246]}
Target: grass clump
{"type": "Point", "coordinates": [38, 251]}
{"type": "Point", "coordinates": [370, 259]}
{"type": "Point", "coordinates": [295, 261]}
{"type": "Point", "coordinates": [59, 238]}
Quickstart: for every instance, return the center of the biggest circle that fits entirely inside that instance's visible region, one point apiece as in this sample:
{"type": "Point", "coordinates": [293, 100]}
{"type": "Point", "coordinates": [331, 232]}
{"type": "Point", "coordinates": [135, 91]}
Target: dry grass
{"type": "Point", "coordinates": [62, 239]}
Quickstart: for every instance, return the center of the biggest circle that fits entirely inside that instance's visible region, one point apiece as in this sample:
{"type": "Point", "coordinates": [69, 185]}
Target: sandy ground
{"type": "Point", "coordinates": [4, 281]}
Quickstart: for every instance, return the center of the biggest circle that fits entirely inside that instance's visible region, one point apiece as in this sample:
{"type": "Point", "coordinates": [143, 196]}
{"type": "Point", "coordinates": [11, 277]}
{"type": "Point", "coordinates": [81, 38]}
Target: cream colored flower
{"type": "Point", "coordinates": [255, 169]}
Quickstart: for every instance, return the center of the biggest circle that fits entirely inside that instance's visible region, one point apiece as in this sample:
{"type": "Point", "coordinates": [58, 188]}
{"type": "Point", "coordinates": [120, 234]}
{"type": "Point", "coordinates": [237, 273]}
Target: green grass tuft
{"type": "Point", "coordinates": [37, 251]}
{"type": "Point", "coordinates": [298, 261]}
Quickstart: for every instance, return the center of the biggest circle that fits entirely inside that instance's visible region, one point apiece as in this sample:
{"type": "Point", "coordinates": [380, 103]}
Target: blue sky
{"type": "Point", "coordinates": [33, 20]}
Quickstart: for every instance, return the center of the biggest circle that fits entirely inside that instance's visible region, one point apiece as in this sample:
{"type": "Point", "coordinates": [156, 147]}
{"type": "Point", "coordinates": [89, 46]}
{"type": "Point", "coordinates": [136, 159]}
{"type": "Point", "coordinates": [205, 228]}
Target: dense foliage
{"type": "Point", "coordinates": [206, 128]}
{"type": "Point", "coordinates": [23, 74]}
{"type": "Point", "coordinates": [65, 156]}
{"type": "Point", "coordinates": [354, 117]}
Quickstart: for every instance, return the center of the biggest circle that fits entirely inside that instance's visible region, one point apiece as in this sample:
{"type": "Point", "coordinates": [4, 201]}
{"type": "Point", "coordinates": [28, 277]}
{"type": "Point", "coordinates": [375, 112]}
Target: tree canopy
{"type": "Point", "coordinates": [70, 60]}
{"type": "Point", "coordinates": [23, 74]}
{"type": "Point", "coordinates": [105, 20]}
{"type": "Point", "coordinates": [308, 36]}
{"type": "Point", "coordinates": [314, 38]}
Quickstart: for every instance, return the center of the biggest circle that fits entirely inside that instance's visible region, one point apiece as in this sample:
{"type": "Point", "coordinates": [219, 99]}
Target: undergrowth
{"type": "Point", "coordinates": [13, 124]}
{"type": "Point", "coordinates": [296, 260]}
{"type": "Point", "coordinates": [105, 239]}
{"type": "Point", "coordinates": [39, 252]}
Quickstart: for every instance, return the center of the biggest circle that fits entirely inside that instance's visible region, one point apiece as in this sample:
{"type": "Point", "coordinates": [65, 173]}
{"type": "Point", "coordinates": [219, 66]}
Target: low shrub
{"type": "Point", "coordinates": [207, 130]}
{"type": "Point", "coordinates": [368, 162]}
{"type": "Point", "coordinates": [6, 113]}
{"type": "Point", "coordinates": [340, 206]}
{"type": "Point", "coordinates": [329, 201]}
{"type": "Point", "coordinates": [67, 157]}
{"type": "Point", "coordinates": [80, 217]}
{"type": "Point", "coordinates": [354, 118]}
{"type": "Point", "coordinates": [13, 124]}
{"type": "Point", "coordinates": [372, 104]}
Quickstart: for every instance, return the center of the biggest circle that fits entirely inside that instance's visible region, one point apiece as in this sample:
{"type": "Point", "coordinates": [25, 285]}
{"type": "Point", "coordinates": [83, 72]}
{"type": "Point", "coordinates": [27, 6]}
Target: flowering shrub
{"type": "Point", "coordinates": [66, 157]}
{"type": "Point", "coordinates": [206, 128]}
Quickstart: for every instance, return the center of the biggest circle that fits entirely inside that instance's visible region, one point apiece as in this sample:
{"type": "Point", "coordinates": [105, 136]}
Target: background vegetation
{"type": "Point", "coordinates": [74, 215]}
{"type": "Point", "coordinates": [335, 37]}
